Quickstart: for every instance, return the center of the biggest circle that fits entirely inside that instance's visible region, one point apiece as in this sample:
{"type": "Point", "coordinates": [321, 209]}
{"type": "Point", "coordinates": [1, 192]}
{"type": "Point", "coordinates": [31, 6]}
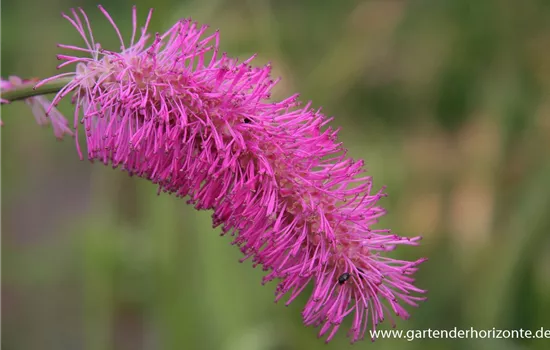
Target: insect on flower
{"type": "Point", "coordinates": [343, 278]}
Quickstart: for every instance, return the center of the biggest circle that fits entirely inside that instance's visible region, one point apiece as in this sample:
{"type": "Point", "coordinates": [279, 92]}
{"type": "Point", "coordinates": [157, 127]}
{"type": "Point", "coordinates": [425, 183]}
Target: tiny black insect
{"type": "Point", "coordinates": [343, 278]}
{"type": "Point", "coordinates": [247, 121]}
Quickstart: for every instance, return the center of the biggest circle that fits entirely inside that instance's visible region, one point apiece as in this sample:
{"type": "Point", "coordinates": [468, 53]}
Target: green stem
{"type": "Point", "coordinates": [27, 90]}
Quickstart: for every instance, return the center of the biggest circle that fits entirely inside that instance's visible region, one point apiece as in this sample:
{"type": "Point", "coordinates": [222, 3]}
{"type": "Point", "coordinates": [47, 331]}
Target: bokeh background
{"type": "Point", "coordinates": [447, 101]}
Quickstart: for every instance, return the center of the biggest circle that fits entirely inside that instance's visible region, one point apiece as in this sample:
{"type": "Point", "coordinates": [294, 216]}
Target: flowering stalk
{"type": "Point", "coordinates": [201, 125]}
{"type": "Point", "coordinates": [28, 89]}
{"type": "Point", "coordinates": [15, 89]}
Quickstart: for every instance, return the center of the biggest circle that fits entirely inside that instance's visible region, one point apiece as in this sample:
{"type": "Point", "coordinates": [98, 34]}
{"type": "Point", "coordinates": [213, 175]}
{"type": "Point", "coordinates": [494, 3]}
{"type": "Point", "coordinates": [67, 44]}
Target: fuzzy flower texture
{"type": "Point", "coordinates": [171, 109]}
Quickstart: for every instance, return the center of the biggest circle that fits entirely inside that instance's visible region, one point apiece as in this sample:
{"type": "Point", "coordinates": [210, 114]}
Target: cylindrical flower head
{"type": "Point", "coordinates": [201, 125]}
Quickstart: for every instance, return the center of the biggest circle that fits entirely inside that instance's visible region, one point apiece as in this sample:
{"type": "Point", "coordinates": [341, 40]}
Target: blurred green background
{"type": "Point", "coordinates": [447, 101]}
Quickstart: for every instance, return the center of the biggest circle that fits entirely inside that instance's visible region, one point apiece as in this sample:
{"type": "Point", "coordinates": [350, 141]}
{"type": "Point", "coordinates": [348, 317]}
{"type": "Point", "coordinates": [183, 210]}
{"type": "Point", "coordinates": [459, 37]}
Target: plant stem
{"type": "Point", "coordinates": [27, 90]}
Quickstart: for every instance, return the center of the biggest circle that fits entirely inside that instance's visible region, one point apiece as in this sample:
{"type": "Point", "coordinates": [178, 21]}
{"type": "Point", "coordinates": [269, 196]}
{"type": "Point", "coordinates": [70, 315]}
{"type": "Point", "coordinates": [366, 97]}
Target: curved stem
{"type": "Point", "coordinates": [27, 90]}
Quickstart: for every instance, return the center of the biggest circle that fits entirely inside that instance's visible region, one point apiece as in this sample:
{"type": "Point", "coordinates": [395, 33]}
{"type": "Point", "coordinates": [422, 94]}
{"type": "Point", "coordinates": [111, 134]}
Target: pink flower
{"type": "Point", "coordinates": [200, 124]}
{"type": "Point", "coordinates": [39, 105]}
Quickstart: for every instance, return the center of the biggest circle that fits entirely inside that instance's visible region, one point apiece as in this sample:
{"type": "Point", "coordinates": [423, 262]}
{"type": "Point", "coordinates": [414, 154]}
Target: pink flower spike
{"type": "Point", "coordinates": [201, 125]}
